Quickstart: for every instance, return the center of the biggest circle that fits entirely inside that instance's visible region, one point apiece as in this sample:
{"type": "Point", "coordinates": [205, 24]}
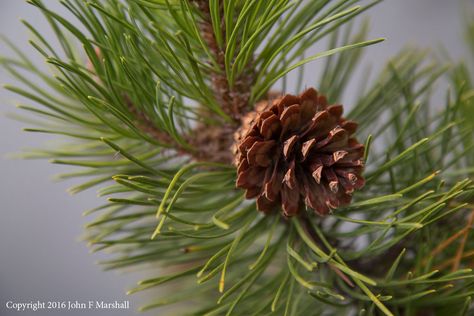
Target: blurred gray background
{"type": "Point", "coordinates": [40, 255]}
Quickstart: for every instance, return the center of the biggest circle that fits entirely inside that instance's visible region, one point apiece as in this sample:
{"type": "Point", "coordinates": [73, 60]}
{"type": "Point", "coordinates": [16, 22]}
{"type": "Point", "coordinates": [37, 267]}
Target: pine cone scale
{"type": "Point", "coordinates": [288, 146]}
{"type": "Point", "coordinates": [260, 153]}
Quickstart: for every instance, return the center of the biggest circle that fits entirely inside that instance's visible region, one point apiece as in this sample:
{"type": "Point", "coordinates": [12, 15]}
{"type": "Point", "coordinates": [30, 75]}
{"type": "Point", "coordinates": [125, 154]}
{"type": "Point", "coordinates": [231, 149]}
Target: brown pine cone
{"type": "Point", "coordinates": [298, 150]}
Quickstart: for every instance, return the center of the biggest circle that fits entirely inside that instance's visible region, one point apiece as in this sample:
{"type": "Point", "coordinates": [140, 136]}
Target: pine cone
{"type": "Point", "coordinates": [298, 150]}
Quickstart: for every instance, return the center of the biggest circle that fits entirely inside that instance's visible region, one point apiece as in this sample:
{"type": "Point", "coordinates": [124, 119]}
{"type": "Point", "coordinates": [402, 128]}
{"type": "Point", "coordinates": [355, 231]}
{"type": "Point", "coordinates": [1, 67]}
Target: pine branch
{"type": "Point", "coordinates": [144, 123]}
{"type": "Point", "coordinates": [234, 98]}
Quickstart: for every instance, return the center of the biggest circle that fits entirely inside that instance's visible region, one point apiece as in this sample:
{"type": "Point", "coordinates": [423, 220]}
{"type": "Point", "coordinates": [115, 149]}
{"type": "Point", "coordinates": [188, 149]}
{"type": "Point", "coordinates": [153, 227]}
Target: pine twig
{"type": "Point", "coordinates": [460, 251]}
{"type": "Point", "coordinates": [144, 123]}
{"type": "Point", "coordinates": [233, 99]}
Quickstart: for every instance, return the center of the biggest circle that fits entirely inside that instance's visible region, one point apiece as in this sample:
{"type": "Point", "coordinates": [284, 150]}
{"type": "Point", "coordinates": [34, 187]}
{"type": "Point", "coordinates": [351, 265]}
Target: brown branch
{"type": "Point", "coordinates": [460, 251]}
{"type": "Point", "coordinates": [462, 234]}
{"type": "Point", "coordinates": [233, 99]}
{"type": "Point", "coordinates": [139, 118]}
{"type": "Point", "coordinates": [447, 242]}
{"type": "Point", "coordinates": [146, 125]}
{"type": "Point", "coordinates": [445, 264]}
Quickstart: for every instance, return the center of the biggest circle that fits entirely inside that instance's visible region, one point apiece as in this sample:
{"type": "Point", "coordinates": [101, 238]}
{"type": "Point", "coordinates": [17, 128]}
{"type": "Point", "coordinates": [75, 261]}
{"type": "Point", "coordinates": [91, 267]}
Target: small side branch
{"type": "Point", "coordinates": [143, 123]}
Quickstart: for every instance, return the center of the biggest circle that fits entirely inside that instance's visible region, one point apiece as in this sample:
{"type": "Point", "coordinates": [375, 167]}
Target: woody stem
{"type": "Point", "coordinates": [232, 98]}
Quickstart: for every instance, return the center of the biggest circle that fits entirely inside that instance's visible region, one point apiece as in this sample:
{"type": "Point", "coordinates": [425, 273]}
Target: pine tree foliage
{"type": "Point", "coordinates": [137, 82]}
